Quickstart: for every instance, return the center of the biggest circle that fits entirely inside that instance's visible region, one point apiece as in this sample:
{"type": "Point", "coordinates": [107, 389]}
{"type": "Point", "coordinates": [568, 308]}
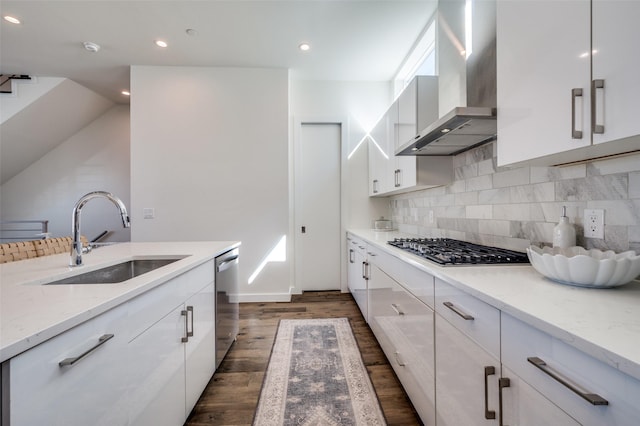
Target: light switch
{"type": "Point", "coordinates": [148, 213]}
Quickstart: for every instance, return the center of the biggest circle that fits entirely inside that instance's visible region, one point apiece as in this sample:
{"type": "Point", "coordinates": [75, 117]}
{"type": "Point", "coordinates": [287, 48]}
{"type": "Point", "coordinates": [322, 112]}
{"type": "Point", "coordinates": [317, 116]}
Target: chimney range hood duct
{"type": "Point", "coordinates": [464, 127]}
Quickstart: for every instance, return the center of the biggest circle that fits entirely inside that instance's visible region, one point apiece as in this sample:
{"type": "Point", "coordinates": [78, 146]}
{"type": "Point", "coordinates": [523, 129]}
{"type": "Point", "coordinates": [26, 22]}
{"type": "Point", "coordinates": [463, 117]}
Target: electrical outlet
{"type": "Point", "coordinates": [594, 223]}
{"type": "Point", "coordinates": [148, 213]}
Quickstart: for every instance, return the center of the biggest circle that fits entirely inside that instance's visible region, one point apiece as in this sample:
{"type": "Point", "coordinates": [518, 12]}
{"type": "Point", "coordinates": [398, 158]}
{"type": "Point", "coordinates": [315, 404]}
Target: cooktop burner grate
{"type": "Point", "coordinates": [447, 251]}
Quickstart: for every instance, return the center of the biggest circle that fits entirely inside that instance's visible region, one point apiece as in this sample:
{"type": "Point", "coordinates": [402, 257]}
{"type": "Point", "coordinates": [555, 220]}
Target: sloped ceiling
{"type": "Point", "coordinates": [45, 123]}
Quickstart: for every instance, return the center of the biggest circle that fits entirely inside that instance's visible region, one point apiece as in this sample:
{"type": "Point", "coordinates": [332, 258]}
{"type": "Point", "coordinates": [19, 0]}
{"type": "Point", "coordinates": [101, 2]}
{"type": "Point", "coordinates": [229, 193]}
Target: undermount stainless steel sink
{"type": "Point", "coordinates": [119, 272]}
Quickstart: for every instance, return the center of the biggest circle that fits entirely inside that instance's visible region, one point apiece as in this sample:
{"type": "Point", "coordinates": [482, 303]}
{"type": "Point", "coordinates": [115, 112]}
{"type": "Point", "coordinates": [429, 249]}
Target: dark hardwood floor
{"type": "Point", "coordinates": [232, 394]}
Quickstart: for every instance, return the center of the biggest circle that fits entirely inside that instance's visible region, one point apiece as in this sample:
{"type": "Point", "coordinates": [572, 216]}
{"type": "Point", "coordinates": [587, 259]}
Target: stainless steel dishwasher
{"type": "Point", "coordinates": [227, 311]}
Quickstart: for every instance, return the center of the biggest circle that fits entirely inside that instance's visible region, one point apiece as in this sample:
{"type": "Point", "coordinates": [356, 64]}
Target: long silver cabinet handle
{"type": "Point", "coordinates": [397, 309]}
{"type": "Point", "coordinates": [489, 370]}
{"type": "Point", "coordinates": [101, 341]}
{"type": "Point", "coordinates": [591, 397]}
{"type": "Point", "coordinates": [575, 133]}
{"type": "Point", "coordinates": [595, 84]}
{"type": "Point", "coordinates": [457, 310]}
{"type": "Point", "coordinates": [185, 339]}
{"type": "Point", "coordinates": [190, 333]}
{"type": "Point", "coordinates": [351, 258]}
{"type": "Point", "coordinates": [503, 382]}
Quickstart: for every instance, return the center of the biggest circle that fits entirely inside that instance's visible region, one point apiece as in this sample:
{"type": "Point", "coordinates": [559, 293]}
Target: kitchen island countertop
{"type": "Point", "coordinates": [604, 323]}
{"type": "Point", "coordinates": [31, 313]}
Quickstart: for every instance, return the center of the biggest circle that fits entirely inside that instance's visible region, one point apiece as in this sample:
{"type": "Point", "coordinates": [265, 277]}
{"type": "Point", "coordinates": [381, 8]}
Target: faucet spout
{"type": "Point", "coordinates": [76, 246]}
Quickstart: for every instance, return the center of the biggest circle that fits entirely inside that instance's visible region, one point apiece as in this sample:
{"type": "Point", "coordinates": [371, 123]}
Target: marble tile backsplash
{"type": "Point", "coordinates": [513, 208]}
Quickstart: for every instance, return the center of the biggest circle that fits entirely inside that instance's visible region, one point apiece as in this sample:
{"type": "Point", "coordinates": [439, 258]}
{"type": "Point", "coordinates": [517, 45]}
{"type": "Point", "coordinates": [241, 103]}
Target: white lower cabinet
{"type": "Point", "coordinates": [403, 325]}
{"type": "Point", "coordinates": [76, 378]}
{"type": "Point", "coordinates": [467, 358]}
{"type": "Point", "coordinates": [145, 362]}
{"type": "Point", "coordinates": [356, 272]}
{"type": "Point", "coordinates": [589, 391]}
{"type": "Point", "coordinates": [174, 358]}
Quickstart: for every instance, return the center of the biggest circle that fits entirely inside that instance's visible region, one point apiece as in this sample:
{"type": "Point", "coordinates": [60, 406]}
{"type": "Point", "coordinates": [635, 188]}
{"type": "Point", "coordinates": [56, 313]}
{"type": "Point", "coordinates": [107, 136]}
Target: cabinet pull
{"type": "Point", "coordinates": [365, 270]}
{"type": "Point", "coordinates": [185, 339]}
{"type": "Point", "coordinates": [397, 309]}
{"type": "Point", "coordinates": [375, 186]}
{"type": "Point", "coordinates": [351, 254]}
{"type": "Point", "coordinates": [596, 84]}
{"type": "Point", "coordinates": [397, 177]}
{"type": "Point", "coordinates": [503, 382]}
{"type": "Point", "coordinates": [489, 370]}
{"type": "Point", "coordinates": [464, 315]}
{"type": "Point", "coordinates": [190, 333]}
{"type": "Point", "coordinates": [593, 398]}
{"type": "Point", "coordinates": [101, 341]}
{"type": "Point", "coordinates": [399, 359]}
{"type": "Point", "coordinates": [575, 133]}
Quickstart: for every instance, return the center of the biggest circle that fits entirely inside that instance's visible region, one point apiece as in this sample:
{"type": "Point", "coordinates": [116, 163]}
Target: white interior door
{"type": "Point", "coordinates": [317, 207]}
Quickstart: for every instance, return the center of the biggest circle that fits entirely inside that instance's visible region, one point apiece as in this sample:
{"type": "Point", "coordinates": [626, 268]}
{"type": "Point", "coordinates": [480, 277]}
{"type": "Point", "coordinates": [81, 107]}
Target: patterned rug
{"type": "Point", "coordinates": [316, 377]}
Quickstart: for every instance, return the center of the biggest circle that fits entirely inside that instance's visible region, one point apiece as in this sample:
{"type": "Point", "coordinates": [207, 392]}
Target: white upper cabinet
{"type": "Point", "coordinates": [541, 47]}
{"type": "Point", "coordinates": [551, 108]}
{"type": "Point", "coordinates": [415, 109]}
{"type": "Point", "coordinates": [616, 61]}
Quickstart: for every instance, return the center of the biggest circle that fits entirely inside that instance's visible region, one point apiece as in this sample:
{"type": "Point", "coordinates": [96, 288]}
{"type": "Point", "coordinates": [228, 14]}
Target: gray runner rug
{"type": "Point", "coordinates": [316, 377]}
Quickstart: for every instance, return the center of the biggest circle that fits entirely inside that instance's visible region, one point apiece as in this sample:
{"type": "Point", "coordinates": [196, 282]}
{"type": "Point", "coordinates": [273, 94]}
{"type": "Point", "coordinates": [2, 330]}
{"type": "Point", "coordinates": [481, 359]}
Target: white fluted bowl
{"type": "Point", "coordinates": [585, 268]}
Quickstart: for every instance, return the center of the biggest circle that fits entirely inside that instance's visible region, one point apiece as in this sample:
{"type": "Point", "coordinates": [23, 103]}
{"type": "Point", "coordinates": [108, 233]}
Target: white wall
{"type": "Point", "coordinates": [95, 158]}
{"type": "Point", "coordinates": [209, 153]}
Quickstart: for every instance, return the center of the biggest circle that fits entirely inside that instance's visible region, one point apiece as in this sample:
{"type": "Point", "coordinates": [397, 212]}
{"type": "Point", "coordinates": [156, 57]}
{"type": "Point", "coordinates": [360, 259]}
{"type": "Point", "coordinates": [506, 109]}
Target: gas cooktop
{"type": "Point", "coordinates": [447, 251]}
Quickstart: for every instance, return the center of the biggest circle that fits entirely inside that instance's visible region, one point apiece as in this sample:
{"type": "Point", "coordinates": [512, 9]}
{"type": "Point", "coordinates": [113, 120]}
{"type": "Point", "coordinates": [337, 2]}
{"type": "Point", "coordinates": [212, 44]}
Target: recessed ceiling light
{"type": "Point", "coordinates": [11, 19]}
{"type": "Point", "coordinates": [91, 46]}
{"type": "Point", "coordinates": [126, 93]}
{"type": "Point", "coordinates": [304, 47]}
{"type": "Point", "coordinates": [161, 43]}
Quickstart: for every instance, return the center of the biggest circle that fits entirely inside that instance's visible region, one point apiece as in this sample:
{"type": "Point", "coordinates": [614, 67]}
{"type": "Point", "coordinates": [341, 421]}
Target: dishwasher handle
{"type": "Point", "coordinates": [227, 263]}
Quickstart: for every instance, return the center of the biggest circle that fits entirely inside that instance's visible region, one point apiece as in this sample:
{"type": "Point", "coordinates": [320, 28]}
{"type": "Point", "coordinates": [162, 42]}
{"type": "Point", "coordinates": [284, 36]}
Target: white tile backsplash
{"type": "Point", "coordinates": [513, 208]}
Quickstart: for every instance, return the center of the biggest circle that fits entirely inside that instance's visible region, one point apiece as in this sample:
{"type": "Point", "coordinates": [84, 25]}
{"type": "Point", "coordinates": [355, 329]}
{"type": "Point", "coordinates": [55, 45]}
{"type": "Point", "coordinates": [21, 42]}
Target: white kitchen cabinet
{"type": "Point", "coordinates": [172, 360]}
{"type": "Point", "coordinates": [381, 163]}
{"type": "Point", "coordinates": [200, 349]}
{"type": "Point", "coordinates": [547, 111]}
{"type": "Point", "coordinates": [357, 272]}
{"type": "Point", "coordinates": [588, 390]}
{"type": "Point", "coordinates": [467, 358]}
{"type": "Point", "coordinates": [403, 325]}
{"type": "Point", "coordinates": [415, 109]}
{"type": "Point", "coordinates": [76, 378]}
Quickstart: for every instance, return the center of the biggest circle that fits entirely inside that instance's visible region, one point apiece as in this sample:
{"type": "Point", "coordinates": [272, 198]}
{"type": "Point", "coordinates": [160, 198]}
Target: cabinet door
{"type": "Point", "coordinates": [542, 55]}
{"type": "Point", "coordinates": [357, 272]}
{"type": "Point", "coordinates": [380, 157]}
{"type": "Point", "coordinates": [524, 406]}
{"type": "Point", "coordinates": [616, 60]}
{"type": "Point", "coordinates": [157, 372]}
{"type": "Point", "coordinates": [85, 390]}
{"type": "Point", "coordinates": [200, 349]}
{"type": "Point", "coordinates": [404, 328]}
{"type": "Point", "coordinates": [466, 379]}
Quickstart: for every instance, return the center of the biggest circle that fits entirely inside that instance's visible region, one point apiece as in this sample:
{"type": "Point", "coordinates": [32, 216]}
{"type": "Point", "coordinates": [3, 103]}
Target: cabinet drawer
{"type": "Point", "coordinates": [574, 371]}
{"type": "Point", "coordinates": [418, 282]}
{"type": "Point", "coordinates": [476, 319]}
{"type": "Point", "coordinates": [148, 308]}
{"type": "Point", "coordinates": [88, 391]}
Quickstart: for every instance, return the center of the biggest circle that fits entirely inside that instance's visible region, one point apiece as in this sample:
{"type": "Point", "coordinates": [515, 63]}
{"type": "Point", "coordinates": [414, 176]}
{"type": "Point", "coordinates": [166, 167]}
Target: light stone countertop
{"type": "Point", "coordinates": [604, 323]}
{"type": "Point", "coordinates": [31, 313]}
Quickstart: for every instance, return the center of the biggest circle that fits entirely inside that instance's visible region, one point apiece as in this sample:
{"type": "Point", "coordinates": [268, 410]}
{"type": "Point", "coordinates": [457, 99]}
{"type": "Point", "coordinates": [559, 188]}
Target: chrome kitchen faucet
{"type": "Point", "coordinates": [76, 247]}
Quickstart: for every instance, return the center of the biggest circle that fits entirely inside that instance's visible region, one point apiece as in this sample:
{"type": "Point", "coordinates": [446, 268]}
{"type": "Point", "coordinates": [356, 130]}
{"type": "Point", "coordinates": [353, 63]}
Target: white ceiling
{"type": "Point", "coordinates": [350, 40]}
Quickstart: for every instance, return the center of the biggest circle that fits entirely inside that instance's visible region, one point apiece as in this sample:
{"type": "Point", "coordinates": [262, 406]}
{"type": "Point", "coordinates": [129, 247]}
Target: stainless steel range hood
{"type": "Point", "coordinates": [460, 130]}
{"type": "Point", "coordinates": [468, 83]}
